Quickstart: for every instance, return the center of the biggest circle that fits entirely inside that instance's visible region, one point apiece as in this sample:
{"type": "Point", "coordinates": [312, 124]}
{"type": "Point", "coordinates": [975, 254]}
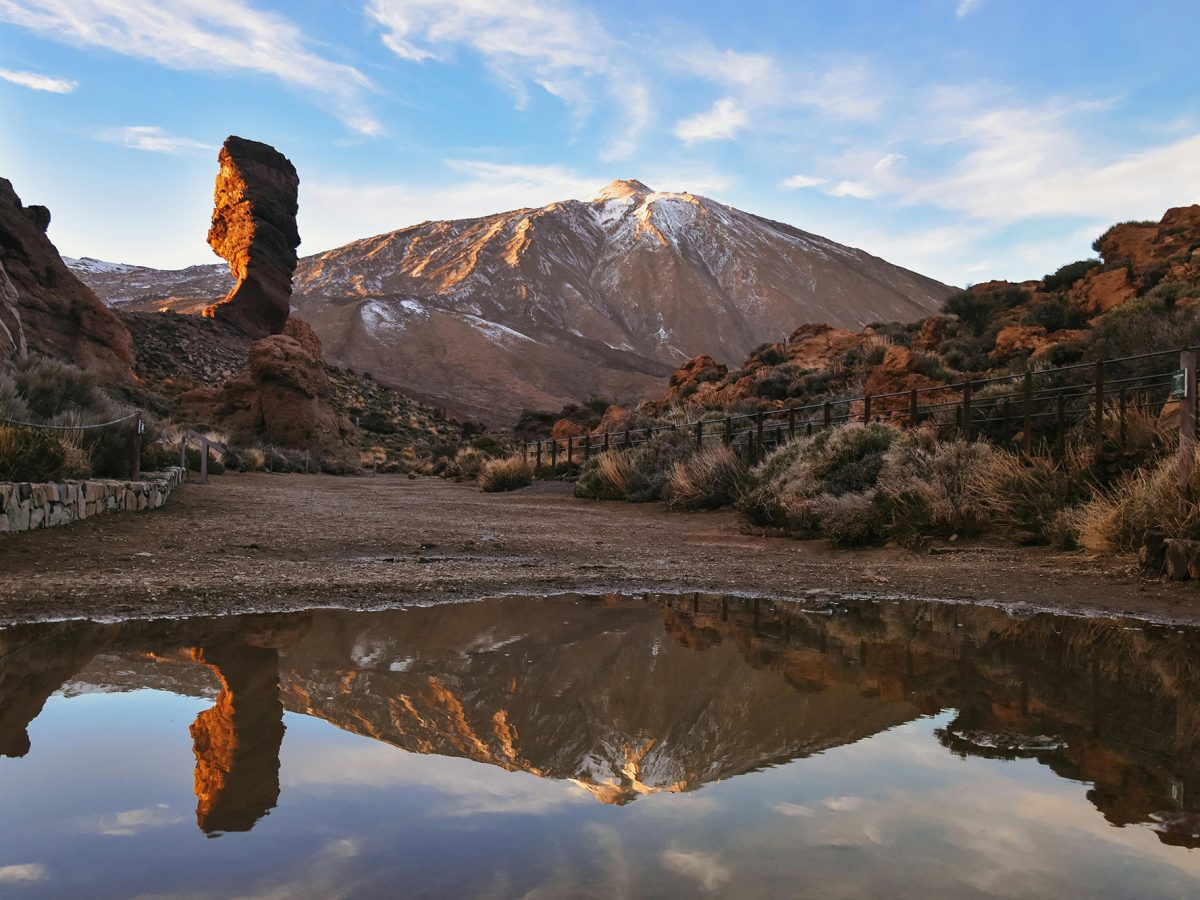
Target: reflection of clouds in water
{"type": "Point", "coordinates": [843, 804]}
{"type": "Point", "coordinates": [466, 788]}
{"type": "Point", "coordinates": [795, 810]}
{"type": "Point", "coordinates": [327, 875]}
{"type": "Point", "coordinates": [707, 870]}
{"type": "Point", "coordinates": [132, 821]}
{"type": "Point", "coordinates": [22, 874]}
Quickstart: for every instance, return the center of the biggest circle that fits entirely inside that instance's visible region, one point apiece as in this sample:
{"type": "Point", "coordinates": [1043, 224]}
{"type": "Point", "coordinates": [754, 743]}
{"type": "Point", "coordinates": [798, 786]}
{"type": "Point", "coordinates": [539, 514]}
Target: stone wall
{"type": "Point", "coordinates": [25, 506]}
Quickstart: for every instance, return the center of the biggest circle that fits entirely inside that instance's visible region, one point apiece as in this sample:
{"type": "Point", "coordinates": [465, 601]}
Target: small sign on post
{"type": "Point", "coordinates": [1179, 385]}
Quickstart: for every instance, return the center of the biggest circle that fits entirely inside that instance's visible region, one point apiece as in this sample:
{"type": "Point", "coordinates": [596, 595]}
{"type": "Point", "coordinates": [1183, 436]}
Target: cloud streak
{"type": "Point", "coordinates": [563, 50]}
{"type": "Point", "coordinates": [150, 138]}
{"type": "Point", "coordinates": [203, 35]}
{"type": "Point", "coordinates": [36, 82]}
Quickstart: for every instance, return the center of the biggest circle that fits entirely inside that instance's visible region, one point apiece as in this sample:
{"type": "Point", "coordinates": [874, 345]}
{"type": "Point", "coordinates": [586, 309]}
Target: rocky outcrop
{"type": "Point", "coordinates": [254, 229]}
{"type": "Point", "coordinates": [43, 301]}
{"type": "Point", "coordinates": [282, 398]}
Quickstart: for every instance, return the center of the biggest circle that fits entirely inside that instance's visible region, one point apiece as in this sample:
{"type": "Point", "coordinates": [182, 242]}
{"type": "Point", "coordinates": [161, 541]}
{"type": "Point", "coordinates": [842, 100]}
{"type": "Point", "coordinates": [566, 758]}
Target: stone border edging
{"type": "Point", "coordinates": [25, 506]}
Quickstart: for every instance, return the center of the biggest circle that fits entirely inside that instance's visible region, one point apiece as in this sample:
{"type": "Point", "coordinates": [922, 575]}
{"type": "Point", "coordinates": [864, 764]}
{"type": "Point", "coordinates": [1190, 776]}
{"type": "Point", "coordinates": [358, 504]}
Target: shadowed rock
{"type": "Point", "coordinates": [43, 306]}
{"type": "Point", "coordinates": [254, 230]}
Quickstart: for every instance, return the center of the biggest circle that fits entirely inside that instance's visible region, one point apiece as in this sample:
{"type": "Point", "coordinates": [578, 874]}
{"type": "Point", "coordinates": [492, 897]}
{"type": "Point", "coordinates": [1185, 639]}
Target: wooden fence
{"type": "Point", "coordinates": [1033, 410]}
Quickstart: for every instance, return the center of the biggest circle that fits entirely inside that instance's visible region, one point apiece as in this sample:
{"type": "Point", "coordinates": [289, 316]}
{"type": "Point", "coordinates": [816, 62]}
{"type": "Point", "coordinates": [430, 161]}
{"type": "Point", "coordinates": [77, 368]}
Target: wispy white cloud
{"type": "Point", "coordinates": [563, 49]}
{"type": "Point", "coordinates": [151, 138]}
{"type": "Point", "coordinates": [36, 82]}
{"type": "Point", "coordinates": [803, 181]}
{"type": "Point", "coordinates": [856, 189]}
{"type": "Point", "coordinates": [966, 7]}
{"type": "Point", "coordinates": [203, 35]}
{"type": "Point", "coordinates": [721, 122]}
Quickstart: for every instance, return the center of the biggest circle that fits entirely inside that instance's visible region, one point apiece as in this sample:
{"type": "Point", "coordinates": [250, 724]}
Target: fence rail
{"type": "Point", "coordinates": [1033, 409]}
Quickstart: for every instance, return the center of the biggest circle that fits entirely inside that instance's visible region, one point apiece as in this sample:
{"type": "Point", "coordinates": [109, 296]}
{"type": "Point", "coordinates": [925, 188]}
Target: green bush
{"type": "Point", "coordinates": [640, 474]}
{"type": "Point", "coordinates": [27, 455]}
{"type": "Point", "coordinates": [977, 307]}
{"type": "Point", "coordinates": [1053, 314]}
{"type": "Point", "coordinates": [851, 520]}
{"type": "Point", "coordinates": [1066, 276]}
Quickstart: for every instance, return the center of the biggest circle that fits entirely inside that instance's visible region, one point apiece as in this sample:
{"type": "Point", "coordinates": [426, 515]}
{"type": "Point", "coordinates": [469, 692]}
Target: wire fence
{"type": "Point", "coordinates": [1033, 410]}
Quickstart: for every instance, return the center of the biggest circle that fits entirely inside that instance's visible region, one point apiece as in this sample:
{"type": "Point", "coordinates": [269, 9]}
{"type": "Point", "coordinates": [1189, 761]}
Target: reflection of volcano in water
{"type": "Point", "coordinates": [629, 696]}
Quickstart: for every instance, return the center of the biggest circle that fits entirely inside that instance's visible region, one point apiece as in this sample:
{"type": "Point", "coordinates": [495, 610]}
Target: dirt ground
{"type": "Point", "coordinates": [274, 542]}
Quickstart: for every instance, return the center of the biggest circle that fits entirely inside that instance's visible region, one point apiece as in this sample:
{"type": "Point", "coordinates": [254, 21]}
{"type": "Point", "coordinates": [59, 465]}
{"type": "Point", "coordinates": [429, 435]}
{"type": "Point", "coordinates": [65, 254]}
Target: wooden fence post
{"type": "Point", "coordinates": [1062, 422]}
{"type": "Point", "coordinates": [628, 438]}
{"type": "Point", "coordinates": [758, 421]}
{"type": "Point", "coordinates": [554, 453]}
{"type": "Point", "coordinates": [966, 410]}
{"type": "Point", "coordinates": [913, 410]}
{"type": "Point", "coordinates": [728, 430]}
{"type": "Point", "coordinates": [204, 460]}
{"type": "Point", "coordinates": [570, 451]}
{"type": "Point", "coordinates": [828, 414]}
{"type": "Point", "coordinates": [537, 464]}
{"type": "Point", "coordinates": [136, 461]}
{"type": "Point", "coordinates": [606, 441]}
{"type": "Point", "coordinates": [1027, 427]}
{"type": "Point", "coordinates": [587, 447]}
{"type": "Point", "coordinates": [791, 422]}
{"type": "Point", "coordinates": [866, 407]}
{"type": "Point", "coordinates": [700, 434]}
{"type": "Point", "coordinates": [1187, 424]}
{"type": "Point", "coordinates": [1098, 423]}
{"type": "Point", "coordinates": [183, 451]}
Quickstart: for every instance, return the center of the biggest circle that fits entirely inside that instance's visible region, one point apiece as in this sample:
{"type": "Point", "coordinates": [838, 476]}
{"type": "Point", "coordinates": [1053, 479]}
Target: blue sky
{"type": "Point", "coordinates": [967, 139]}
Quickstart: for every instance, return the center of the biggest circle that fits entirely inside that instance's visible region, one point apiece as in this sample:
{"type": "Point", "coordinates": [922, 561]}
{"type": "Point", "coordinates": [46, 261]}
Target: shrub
{"type": "Point", "coordinates": [1054, 314]}
{"type": "Point", "coordinates": [468, 464]}
{"type": "Point", "coordinates": [927, 484]}
{"type": "Point", "coordinates": [640, 474]}
{"type": "Point", "coordinates": [976, 308]}
{"type": "Point", "coordinates": [51, 388]}
{"type": "Point", "coordinates": [505, 474]}
{"type": "Point", "coordinates": [1027, 497]}
{"type": "Point", "coordinates": [851, 520]}
{"type": "Point", "coordinates": [930, 365]}
{"type": "Point", "coordinates": [782, 489]}
{"type": "Point", "coordinates": [708, 479]}
{"type": "Point", "coordinates": [1067, 275]}
{"type": "Point", "coordinates": [1116, 521]}
{"type": "Point", "coordinates": [27, 455]}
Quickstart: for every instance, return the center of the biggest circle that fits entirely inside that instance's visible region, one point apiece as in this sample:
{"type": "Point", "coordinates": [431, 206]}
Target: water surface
{"type": "Point", "coordinates": [602, 746]}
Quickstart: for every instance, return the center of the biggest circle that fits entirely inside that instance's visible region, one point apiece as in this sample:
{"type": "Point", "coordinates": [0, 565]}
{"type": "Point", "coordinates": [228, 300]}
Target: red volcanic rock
{"type": "Point", "coordinates": [58, 315]}
{"type": "Point", "coordinates": [931, 335]}
{"type": "Point", "coordinates": [691, 376]}
{"type": "Point", "coordinates": [565, 428]}
{"type": "Point", "coordinates": [891, 376]}
{"type": "Point", "coordinates": [817, 347]}
{"type": "Point", "coordinates": [254, 229]}
{"type": "Point", "coordinates": [1102, 291]}
{"type": "Point", "coordinates": [282, 398]}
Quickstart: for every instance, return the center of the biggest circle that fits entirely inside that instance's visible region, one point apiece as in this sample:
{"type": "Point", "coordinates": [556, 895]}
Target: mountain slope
{"type": "Point", "coordinates": [535, 307]}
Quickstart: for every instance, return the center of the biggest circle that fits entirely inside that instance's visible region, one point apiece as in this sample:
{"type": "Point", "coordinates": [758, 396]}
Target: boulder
{"type": "Point", "coordinates": [44, 307]}
{"type": "Point", "coordinates": [254, 230]}
{"type": "Point", "coordinates": [282, 398]}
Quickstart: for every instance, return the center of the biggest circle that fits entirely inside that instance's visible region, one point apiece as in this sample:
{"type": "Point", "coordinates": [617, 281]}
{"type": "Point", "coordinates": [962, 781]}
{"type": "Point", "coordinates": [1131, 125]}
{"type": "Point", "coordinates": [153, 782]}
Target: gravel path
{"type": "Point", "coordinates": [273, 542]}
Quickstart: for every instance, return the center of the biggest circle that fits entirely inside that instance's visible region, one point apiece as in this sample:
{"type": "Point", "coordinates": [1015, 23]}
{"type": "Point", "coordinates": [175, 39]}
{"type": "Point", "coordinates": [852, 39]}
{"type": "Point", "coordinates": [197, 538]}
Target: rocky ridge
{"type": "Point", "coordinates": [536, 307]}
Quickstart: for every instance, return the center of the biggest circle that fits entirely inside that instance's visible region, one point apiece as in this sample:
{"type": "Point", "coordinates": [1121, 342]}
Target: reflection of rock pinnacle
{"type": "Point", "coordinates": [237, 741]}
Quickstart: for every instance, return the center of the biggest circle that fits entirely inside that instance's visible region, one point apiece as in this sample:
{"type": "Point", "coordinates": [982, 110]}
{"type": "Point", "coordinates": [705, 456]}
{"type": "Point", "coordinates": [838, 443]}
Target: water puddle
{"type": "Point", "coordinates": [602, 746]}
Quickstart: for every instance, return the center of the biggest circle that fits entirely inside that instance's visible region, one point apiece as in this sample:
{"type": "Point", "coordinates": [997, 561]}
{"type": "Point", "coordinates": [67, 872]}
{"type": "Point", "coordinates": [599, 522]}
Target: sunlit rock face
{"type": "Point", "coordinates": [237, 742]}
{"type": "Point", "coordinates": [43, 306]}
{"type": "Point", "coordinates": [254, 229]}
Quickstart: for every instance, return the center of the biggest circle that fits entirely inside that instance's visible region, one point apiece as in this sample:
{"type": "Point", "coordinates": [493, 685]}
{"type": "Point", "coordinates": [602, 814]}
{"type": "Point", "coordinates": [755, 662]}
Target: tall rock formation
{"type": "Point", "coordinates": [254, 230]}
{"type": "Point", "coordinates": [42, 300]}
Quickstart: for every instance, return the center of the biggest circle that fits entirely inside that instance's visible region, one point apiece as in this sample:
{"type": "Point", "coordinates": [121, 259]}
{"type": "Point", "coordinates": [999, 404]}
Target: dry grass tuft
{"type": "Point", "coordinates": [505, 474]}
{"type": "Point", "coordinates": [708, 479]}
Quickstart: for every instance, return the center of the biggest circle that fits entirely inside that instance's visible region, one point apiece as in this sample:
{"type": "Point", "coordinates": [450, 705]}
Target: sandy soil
{"type": "Point", "coordinates": [272, 542]}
